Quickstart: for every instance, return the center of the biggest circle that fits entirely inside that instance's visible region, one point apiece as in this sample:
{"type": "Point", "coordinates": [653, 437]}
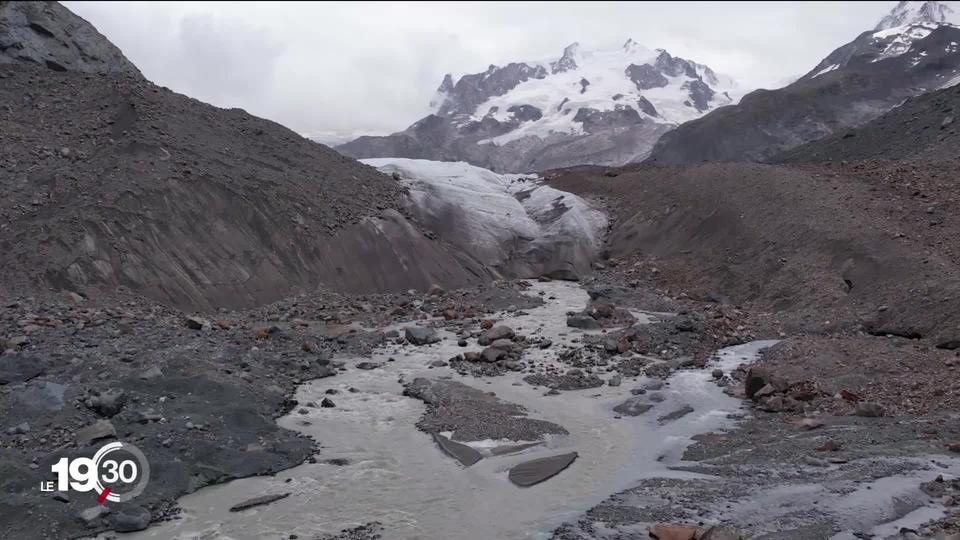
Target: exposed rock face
{"type": "Point", "coordinates": [646, 76]}
{"type": "Point", "coordinates": [532, 116]}
{"type": "Point", "coordinates": [472, 90]}
{"type": "Point", "coordinates": [910, 52]}
{"type": "Point", "coordinates": [50, 35]}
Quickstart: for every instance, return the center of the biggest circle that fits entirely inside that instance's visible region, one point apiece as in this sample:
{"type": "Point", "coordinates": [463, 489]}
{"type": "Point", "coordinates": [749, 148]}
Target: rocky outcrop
{"type": "Point", "coordinates": [472, 90]}
{"type": "Point", "coordinates": [646, 76]}
{"type": "Point", "coordinates": [48, 34]}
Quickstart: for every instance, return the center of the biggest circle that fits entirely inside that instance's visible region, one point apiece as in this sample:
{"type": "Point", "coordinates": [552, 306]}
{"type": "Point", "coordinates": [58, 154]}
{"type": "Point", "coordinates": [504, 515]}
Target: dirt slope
{"type": "Point", "coordinates": [922, 128]}
{"type": "Point", "coordinates": [113, 181]}
{"type": "Point", "coordinates": [823, 249]}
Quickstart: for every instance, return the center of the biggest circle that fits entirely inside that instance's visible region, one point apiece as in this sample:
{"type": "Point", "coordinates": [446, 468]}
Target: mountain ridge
{"type": "Point", "coordinates": [599, 106]}
{"type": "Point", "coordinates": [854, 84]}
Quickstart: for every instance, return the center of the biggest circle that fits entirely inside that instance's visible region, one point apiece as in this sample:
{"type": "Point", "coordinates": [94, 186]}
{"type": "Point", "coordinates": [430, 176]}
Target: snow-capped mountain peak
{"type": "Point", "coordinates": [908, 22]}
{"type": "Point", "coordinates": [588, 105]}
{"type": "Point", "coordinates": [583, 90]}
{"type": "Point", "coordinates": [907, 13]}
{"type": "Point", "coordinates": [904, 32]}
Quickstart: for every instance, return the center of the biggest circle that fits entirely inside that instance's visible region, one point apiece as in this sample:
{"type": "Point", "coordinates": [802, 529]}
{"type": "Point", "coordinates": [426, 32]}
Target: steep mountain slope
{"type": "Point", "coordinates": [923, 128]}
{"type": "Point", "coordinates": [587, 106]}
{"type": "Point", "coordinates": [48, 34]}
{"type": "Point", "coordinates": [853, 85]}
{"type": "Point", "coordinates": [110, 181]}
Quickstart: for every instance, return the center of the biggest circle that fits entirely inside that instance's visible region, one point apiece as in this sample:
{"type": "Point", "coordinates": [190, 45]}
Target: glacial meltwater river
{"type": "Point", "coordinates": [396, 474]}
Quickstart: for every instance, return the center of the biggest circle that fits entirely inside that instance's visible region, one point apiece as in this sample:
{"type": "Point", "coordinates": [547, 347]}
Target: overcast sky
{"type": "Point", "coordinates": [338, 70]}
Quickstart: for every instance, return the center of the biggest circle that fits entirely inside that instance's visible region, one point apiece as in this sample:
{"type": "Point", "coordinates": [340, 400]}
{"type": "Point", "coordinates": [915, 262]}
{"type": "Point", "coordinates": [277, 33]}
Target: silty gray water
{"type": "Point", "coordinates": [396, 475]}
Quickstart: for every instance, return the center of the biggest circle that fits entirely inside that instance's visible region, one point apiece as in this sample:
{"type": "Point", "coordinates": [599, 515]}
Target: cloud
{"type": "Point", "coordinates": [224, 62]}
{"type": "Point", "coordinates": [345, 69]}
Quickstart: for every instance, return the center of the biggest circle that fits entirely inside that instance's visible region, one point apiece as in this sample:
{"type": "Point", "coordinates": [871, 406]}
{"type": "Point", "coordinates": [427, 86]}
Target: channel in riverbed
{"type": "Point", "coordinates": [376, 466]}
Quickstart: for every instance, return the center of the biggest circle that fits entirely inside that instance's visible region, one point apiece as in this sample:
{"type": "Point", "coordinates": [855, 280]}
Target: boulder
{"type": "Point", "coordinates": [129, 518]}
{"type": "Point", "coordinates": [492, 354]}
{"type": "Point", "coordinates": [368, 365]}
{"type": "Point", "coordinates": [601, 311]}
{"type": "Point", "coordinates": [583, 321]}
{"type": "Point", "coordinates": [107, 403]}
{"type": "Point", "coordinates": [759, 377]}
{"type": "Point", "coordinates": [418, 335]}
{"type": "Point", "coordinates": [868, 409]}
{"type": "Point", "coordinates": [89, 516]}
{"type": "Point", "coordinates": [197, 323]}
{"type": "Point", "coordinates": [675, 531]}
{"type": "Point", "coordinates": [101, 429]}
{"type": "Point", "coordinates": [495, 333]}
{"type": "Point", "coordinates": [721, 532]}
{"type": "Point", "coordinates": [633, 407]}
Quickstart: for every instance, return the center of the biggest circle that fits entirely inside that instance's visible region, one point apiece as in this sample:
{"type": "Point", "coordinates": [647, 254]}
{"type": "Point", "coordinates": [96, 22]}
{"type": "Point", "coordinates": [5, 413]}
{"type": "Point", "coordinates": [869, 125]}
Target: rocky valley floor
{"type": "Point", "coordinates": [408, 416]}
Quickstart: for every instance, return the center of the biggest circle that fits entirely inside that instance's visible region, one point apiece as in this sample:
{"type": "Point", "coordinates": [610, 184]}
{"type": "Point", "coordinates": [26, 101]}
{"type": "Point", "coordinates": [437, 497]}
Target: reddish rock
{"type": "Point", "coordinates": [830, 446]}
{"type": "Point", "coordinates": [849, 396]}
{"type": "Point", "coordinates": [486, 324]}
{"type": "Point", "coordinates": [675, 531]}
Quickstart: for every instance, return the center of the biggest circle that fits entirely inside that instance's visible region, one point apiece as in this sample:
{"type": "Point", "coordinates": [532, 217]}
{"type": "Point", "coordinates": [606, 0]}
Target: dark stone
{"type": "Point", "coordinates": [525, 113]}
{"type": "Point", "coordinates": [675, 415]}
{"type": "Point", "coordinates": [258, 501]}
{"type": "Point", "coordinates": [633, 407]}
{"type": "Point", "coordinates": [869, 410]}
{"type": "Point", "coordinates": [495, 333]}
{"type": "Point", "coordinates": [102, 429]}
{"type": "Point", "coordinates": [460, 452]}
{"type": "Point", "coordinates": [418, 335]}
{"type": "Point", "coordinates": [368, 365]}
{"type": "Point", "coordinates": [129, 518]}
{"type": "Point", "coordinates": [581, 320]}
{"type": "Point", "coordinates": [533, 472]}
{"type": "Point", "coordinates": [645, 76]}
{"type": "Point", "coordinates": [17, 369]}
{"type": "Point", "coordinates": [492, 354]}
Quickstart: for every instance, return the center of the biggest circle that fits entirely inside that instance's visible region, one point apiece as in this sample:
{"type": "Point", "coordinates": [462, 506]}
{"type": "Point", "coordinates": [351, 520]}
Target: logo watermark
{"type": "Point", "coordinates": [118, 472]}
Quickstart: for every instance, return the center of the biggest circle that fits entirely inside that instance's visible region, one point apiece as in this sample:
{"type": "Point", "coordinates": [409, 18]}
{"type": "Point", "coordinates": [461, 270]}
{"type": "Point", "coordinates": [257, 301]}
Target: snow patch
{"type": "Point", "coordinates": [903, 37]}
{"type": "Point", "coordinates": [825, 70]}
